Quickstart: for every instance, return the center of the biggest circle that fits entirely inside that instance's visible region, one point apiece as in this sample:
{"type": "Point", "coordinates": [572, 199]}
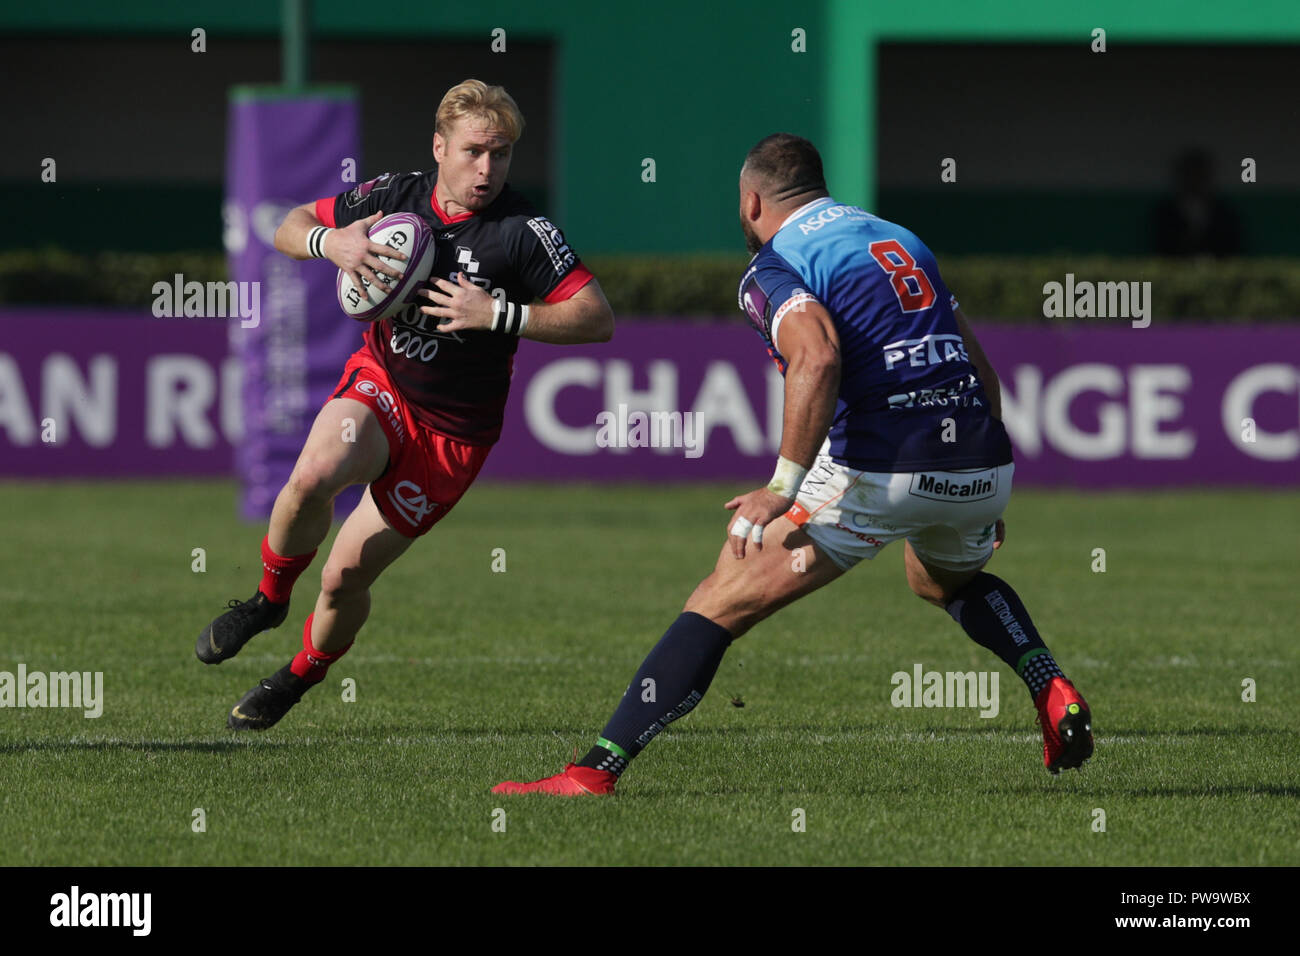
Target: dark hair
{"type": "Point", "coordinates": [785, 166]}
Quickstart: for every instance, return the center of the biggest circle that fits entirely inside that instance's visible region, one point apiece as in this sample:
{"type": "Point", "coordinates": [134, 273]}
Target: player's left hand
{"type": "Point", "coordinates": [754, 511]}
{"type": "Point", "coordinates": [458, 305]}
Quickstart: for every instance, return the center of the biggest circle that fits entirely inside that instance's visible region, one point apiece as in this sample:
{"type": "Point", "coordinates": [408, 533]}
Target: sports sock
{"type": "Point", "coordinates": [991, 612]}
{"type": "Point", "coordinates": [671, 681]}
{"type": "Point", "coordinates": [279, 573]}
{"type": "Point", "coordinates": [311, 664]}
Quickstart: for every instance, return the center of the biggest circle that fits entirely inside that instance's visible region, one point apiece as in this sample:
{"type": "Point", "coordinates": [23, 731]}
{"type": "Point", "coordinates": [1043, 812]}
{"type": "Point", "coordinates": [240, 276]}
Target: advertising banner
{"type": "Point", "coordinates": [94, 393]}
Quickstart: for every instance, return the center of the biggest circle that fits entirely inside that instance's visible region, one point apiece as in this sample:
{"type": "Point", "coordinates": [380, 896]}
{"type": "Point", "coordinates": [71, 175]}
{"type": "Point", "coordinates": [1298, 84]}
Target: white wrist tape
{"type": "Point", "coordinates": [787, 479]}
{"type": "Point", "coordinates": [508, 317]}
{"type": "Point", "coordinates": [316, 241]}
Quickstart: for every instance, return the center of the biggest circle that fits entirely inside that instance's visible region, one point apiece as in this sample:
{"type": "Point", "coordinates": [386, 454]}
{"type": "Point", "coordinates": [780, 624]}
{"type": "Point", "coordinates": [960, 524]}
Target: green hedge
{"type": "Point", "coordinates": [1006, 288]}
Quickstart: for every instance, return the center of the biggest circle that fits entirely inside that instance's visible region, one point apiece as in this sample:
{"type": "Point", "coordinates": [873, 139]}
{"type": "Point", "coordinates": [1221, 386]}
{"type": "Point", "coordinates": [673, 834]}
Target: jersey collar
{"type": "Point", "coordinates": [802, 209]}
{"type": "Point", "coordinates": [442, 213]}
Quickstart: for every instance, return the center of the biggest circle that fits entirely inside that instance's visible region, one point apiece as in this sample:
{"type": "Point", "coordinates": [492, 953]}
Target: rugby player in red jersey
{"type": "Point", "coordinates": [420, 404]}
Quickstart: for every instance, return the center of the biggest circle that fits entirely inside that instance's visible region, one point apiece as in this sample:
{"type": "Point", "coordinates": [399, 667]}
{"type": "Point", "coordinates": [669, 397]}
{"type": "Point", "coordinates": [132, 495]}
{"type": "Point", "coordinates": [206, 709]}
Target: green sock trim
{"type": "Point", "coordinates": [612, 748]}
{"type": "Point", "coordinates": [1029, 655]}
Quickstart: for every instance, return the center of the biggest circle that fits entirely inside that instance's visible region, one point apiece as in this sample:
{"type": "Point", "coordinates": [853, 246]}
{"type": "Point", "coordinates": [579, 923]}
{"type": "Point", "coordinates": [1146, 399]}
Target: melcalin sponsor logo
{"type": "Point", "coordinates": [212, 300]}
{"type": "Point", "coordinates": [923, 688]}
{"type": "Point", "coordinates": [55, 689]}
{"type": "Point", "coordinates": [75, 908]}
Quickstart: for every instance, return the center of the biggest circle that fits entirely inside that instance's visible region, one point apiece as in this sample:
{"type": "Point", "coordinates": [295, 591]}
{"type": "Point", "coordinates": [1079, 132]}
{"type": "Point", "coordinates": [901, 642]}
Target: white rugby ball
{"type": "Point", "coordinates": [406, 232]}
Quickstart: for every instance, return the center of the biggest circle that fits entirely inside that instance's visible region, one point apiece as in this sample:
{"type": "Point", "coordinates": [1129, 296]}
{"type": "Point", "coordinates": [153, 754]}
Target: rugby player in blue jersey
{"type": "Point", "coordinates": [891, 431]}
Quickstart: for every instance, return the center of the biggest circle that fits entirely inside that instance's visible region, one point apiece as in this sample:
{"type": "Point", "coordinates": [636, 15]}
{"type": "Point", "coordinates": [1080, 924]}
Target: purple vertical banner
{"type": "Point", "coordinates": [285, 149]}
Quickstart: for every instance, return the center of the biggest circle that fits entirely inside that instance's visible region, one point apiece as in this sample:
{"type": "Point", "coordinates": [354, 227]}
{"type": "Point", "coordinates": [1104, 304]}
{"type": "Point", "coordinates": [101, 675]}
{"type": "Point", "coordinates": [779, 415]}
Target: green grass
{"type": "Point", "coordinates": [466, 677]}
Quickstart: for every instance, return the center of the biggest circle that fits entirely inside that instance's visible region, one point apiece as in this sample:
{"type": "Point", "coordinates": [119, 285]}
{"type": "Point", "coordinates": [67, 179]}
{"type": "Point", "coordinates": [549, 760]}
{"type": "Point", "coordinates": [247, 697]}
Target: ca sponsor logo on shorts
{"type": "Point", "coordinates": [948, 487]}
{"type": "Point", "coordinates": [411, 503]}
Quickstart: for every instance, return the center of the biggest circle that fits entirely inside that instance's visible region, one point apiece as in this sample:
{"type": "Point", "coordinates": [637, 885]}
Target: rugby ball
{"type": "Point", "coordinates": [406, 232]}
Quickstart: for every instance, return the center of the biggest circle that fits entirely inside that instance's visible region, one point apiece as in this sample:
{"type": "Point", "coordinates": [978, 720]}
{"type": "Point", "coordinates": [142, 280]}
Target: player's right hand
{"type": "Point", "coordinates": [352, 251]}
{"type": "Point", "coordinates": [753, 512]}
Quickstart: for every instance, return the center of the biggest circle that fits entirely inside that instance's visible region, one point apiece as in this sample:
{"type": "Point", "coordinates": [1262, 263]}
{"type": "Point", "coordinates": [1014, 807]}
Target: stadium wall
{"type": "Point", "coordinates": [691, 86]}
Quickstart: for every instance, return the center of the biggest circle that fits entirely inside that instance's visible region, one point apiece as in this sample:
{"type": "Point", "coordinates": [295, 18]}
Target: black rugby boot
{"type": "Point", "coordinates": [225, 636]}
{"type": "Point", "coordinates": [265, 704]}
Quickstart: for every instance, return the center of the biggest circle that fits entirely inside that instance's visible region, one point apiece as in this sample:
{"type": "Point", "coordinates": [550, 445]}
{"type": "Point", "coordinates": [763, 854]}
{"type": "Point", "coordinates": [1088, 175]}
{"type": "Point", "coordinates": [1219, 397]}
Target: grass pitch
{"type": "Point", "coordinates": [466, 677]}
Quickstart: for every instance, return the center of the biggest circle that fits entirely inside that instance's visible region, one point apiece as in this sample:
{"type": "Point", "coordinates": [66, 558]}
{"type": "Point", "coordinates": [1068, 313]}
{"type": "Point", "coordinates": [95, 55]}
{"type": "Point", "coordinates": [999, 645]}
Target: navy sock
{"type": "Point", "coordinates": [671, 681]}
{"type": "Point", "coordinates": [991, 612]}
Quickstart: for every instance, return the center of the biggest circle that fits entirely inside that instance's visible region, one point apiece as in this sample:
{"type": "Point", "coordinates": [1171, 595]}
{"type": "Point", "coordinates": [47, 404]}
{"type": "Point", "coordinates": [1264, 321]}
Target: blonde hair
{"type": "Point", "coordinates": [476, 98]}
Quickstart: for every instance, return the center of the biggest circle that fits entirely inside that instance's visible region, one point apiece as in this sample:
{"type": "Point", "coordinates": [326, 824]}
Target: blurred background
{"type": "Point", "coordinates": [1026, 145]}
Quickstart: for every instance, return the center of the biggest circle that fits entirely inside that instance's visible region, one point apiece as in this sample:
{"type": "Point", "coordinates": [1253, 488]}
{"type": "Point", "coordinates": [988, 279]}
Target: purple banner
{"type": "Point", "coordinates": [284, 151]}
{"type": "Point", "coordinates": [1088, 406]}
{"type": "Point", "coordinates": [90, 393]}
{"type": "Point", "coordinates": [97, 393]}
{"type": "Point", "coordinates": [1145, 407]}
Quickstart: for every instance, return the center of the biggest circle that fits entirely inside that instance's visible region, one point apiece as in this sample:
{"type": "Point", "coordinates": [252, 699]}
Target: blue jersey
{"type": "Point", "coordinates": [909, 398]}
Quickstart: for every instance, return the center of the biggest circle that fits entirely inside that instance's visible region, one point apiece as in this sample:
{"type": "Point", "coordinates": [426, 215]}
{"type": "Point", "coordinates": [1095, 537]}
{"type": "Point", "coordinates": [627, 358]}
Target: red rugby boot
{"type": "Point", "coordinates": [575, 781]}
{"type": "Point", "coordinates": [1067, 725]}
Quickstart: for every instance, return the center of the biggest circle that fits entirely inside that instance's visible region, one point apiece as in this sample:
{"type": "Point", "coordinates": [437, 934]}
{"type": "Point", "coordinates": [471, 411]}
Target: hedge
{"type": "Point", "coordinates": [1003, 288]}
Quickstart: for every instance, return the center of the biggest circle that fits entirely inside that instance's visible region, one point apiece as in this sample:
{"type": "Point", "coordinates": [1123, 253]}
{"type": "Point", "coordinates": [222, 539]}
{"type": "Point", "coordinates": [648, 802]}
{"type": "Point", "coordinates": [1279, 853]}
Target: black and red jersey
{"type": "Point", "coordinates": [457, 382]}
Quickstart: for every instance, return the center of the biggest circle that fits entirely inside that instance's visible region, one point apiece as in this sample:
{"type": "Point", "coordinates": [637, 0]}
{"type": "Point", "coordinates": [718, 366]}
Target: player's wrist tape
{"type": "Point", "coordinates": [316, 241]}
{"type": "Point", "coordinates": [509, 318]}
{"type": "Point", "coordinates": [788, 478]}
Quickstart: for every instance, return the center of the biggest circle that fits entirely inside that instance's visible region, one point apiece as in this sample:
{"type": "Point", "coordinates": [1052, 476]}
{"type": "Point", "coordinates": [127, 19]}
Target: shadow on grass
{"type": "Point", "coordinates": [1207, 790]}
{"type": "Point", "coordinates": [195, 746]}
{"type": "Point", "coordinates": [967, 730]}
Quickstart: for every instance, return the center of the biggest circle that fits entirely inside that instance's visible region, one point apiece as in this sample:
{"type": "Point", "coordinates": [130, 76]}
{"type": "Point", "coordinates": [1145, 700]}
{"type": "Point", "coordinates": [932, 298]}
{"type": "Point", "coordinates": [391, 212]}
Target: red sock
{"type": "Point", "coordinates": [311, 664]}
{"type": "Point", "coordinates": [279, 573]}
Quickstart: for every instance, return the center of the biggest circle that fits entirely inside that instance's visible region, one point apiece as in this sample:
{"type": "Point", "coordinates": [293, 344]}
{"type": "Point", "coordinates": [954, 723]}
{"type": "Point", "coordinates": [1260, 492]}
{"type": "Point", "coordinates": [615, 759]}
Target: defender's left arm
{"type": "Point", "coordinates": [811, 345]}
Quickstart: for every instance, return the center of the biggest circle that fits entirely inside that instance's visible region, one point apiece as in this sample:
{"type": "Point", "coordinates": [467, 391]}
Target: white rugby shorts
{"type": "Point", "coordinates": [948, 516]}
